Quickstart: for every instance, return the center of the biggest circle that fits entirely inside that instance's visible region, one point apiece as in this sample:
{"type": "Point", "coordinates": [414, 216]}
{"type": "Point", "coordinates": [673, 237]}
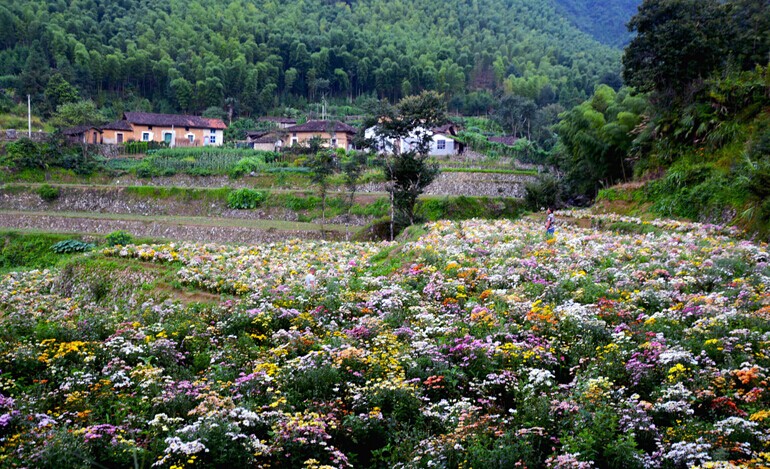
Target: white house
{"type": "Point", "coordinates": [442, 141]}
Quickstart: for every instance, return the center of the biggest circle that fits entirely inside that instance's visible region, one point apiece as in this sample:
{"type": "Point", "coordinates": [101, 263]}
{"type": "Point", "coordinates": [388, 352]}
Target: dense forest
{"type": "Point", "coordinates": [693, 123]}
{"type": "Point", "coordinates": [605, 21]}
{"type": "Point", "coordinates": [252, 56]}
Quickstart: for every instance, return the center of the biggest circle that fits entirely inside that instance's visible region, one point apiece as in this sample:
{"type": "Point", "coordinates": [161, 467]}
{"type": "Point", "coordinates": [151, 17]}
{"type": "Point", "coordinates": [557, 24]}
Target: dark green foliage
{"type": "Point", "coordinates": [55, 152]}
{"type": "Point", "coordinates": [243, 199]}
{"type": "Point", "coordinates": [676, 43]}
{"type": "Point", "coordinates": [48, 192]}
{"type": "Point", "coordinates": [322, 165]}
{"type": "Point", "coordinates": [247, 61]}
{"type": "Point", "coordinates": [462, 208]}
{"type": "Point", "coordinates": [595, 140]}
{"type": "Point", "coordinates": [119, 238]}
{"type": "Point", "coordinates": [543, 193]}
{"type": "Point", "coordinates": [237, 130]}
{"type": "Point", "coordinates": [516, 114]}
{"type": "Point", "coordinates": [71, 245]}
{"type": "Point", "coordinates": [605, 21]}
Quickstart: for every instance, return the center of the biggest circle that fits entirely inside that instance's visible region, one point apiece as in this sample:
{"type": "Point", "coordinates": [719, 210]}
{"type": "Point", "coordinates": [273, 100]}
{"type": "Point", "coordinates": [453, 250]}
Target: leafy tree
{"type": "Point", "coordinates": [77, 113]}
{"type": "Point", "coordinates": [59, 91]}
{"type": "Point", "coordinates": [322, 165]}
{"type": "Point", "coordinates": [183, 93]}
{"type": "Point", "coordinates": [214, 112]}
{"type": "Point", "coordinates": [238, 128]}
{"type": "Point", "coordinates": [407, 169]}
{"type": "Point", "coordinates": [677, 42]}
{"type": "Point", "coordinates": [516, 114]}
{"type": "Point", "coordinates": [595, 138]}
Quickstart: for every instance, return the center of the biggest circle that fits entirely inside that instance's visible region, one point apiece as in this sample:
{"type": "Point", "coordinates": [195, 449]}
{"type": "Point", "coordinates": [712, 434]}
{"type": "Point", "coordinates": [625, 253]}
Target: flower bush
{"type": "Point", "coordinates": [485, 346]}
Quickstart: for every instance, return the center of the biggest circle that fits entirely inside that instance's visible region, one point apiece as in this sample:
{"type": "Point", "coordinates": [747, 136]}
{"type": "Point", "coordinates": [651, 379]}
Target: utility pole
{"type": "Point", "coordinates": [29, 116]}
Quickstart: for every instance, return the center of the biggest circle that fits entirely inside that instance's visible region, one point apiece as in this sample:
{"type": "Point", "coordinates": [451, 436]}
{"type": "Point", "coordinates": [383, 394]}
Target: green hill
{"type": "Point", "coordinates": [256, 55]}
{"type": "Point", "coordinates": [604, 21]}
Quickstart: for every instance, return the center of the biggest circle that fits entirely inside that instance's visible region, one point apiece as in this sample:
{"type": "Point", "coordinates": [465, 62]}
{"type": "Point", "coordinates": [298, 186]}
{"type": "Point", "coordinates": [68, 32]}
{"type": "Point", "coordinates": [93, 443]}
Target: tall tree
{"type": "Point", "coordinates": [404, 136]}
{"type": "Point", "coordinates": [677, 42]}
{"type": "Point", "coordinates": [515, 114]}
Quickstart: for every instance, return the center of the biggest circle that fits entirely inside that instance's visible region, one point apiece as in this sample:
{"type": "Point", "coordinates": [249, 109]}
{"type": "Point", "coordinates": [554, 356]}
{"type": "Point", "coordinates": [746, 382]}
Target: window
{"type": "Point", "coordinates": [213, 139]}
{"type": "Point", "coordinates": [149, 127]}
{"type": "Point", "coordinates": [441, 144]}
{"type": "Point", "coordinates": [334, 142]}
{"type": "Point", "coordinates": [213, 131]}
{"type": "Point", "coordinates": [294, 141]}
{"type": "Point", "coordinates": [191, 138]}
{"type": "Point", "coordinates": [120, 138]}
{"type": "Point", "coordinates": [145, 136]}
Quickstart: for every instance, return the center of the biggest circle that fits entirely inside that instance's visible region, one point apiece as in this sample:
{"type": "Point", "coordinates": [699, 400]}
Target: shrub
{"type": "Point", "coordinates": [242, 199]}
{"type": "Point", "coordinates": [545, 192]}
{"type": "Point", "coordinates": [119, 237]}
{"type": "Point", "coordinates": [71, 245]}
{"type": "Point", "coordinates": [246, 166]}
{"type": "Point", "coordinates": [48, 193]}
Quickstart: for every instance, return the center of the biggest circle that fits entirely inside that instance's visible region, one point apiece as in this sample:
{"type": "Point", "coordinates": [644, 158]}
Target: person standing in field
{"type": "Point", "coordinates": [310, 279]}
{"type": "Point", "coordinates": [549, 223]}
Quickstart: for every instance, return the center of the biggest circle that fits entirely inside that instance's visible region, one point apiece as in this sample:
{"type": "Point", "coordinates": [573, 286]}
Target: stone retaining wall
{"type": "Point", "coordinates": [448, 183]}
{"type": "Point", "coordinates": [155, 229]}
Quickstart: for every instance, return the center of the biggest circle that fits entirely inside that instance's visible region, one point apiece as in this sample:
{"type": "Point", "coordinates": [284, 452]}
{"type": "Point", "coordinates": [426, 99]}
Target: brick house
{"type": "Point", "coordinates": [174, 129]}
{"type": "Point", "coordinates": [335, 134]}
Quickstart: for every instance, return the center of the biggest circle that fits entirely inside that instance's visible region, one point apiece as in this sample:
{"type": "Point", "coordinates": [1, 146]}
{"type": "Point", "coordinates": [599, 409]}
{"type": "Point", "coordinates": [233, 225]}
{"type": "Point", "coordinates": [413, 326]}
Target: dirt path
{"type": "Point", "coordinates": [174, 228]}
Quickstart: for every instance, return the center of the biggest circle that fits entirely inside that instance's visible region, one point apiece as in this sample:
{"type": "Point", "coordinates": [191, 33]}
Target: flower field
{"type": "Point", "coordinates": [479, 344]}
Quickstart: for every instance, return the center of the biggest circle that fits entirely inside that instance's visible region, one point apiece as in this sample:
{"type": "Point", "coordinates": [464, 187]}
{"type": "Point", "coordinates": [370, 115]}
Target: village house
{"type": "Point", "coordinates": [83, 134]}
{"type": "Point", "coordinates": [334, 134]}
{"type": "Point", "coordinates": [442, 143]}
{"type": "Point", "coordinates": [265, 140]}
{"type": "Point", "coordinates": [173, 129]}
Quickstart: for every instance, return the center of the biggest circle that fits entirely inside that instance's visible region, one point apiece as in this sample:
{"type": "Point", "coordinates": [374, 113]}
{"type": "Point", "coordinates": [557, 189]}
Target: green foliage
{"type": "Point", "coordinates": [247, 165]}
{"type": "Point", "coordinates": [119, 238]}
{"type": "Point", "coordinates": [20, 251]}
{"type": "Point", "coordinates": [295, 53]}
{"type": "Point", "coordinates": [604, 21]}
{"type": "Point", "coordinates": [515, 113]}
{"type": "Point", "coordinates": [409, 172]}
{"type": "Point", "coordinates": [237, 130]}
{"type": "Point", "coordinates": [203, 161]}
{"type": "Point", "coordinates": [463, 208]}
{"type": "Point", "coordinates": [77, 113]}
{"type": "Point", "coordinates": [26, 154]}
{"type": "Point", "coordinates": [72, 245]}
{"type": "Point", "coordinates": [243, 199]}
{"type": "Point", "coordinates": [596, 138]}
{"type": "Point", "coordinates": [545, 192]}
{"type": "Point", "coordinates": [48, 192]}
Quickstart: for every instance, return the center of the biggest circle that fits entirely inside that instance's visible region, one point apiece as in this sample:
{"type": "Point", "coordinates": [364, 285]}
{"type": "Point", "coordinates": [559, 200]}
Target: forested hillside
{"type": "Point", "coordinates": [605, 21]}
{"type": "Point", "coordinates": [254, 55]}
{"type": "Point", "coordinates": [695, 127]}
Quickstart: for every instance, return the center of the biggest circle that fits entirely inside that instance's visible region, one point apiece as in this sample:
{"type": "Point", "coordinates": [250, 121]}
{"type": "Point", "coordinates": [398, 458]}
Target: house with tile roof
{"type": "Point", "coordinates": [265, 140]}
{"type": "Point", "coordinates": [173, 129]}
{"type": "Point", "coordinates": [334, 134]}
{"type": "Point", "coordinates": [443, 142]}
